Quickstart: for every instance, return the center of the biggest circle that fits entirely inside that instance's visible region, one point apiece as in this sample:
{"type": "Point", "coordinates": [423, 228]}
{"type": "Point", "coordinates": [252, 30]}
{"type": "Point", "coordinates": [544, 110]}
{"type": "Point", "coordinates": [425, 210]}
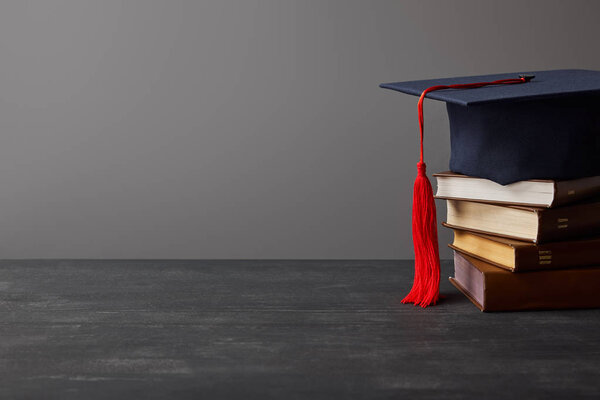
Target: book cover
{"type": "Point", "coordinates": [521, 256]}
{"type": "Point", "coordinates": [495, 289]}
{"type": "Point", "coordinates": [534, 224]}
{"type": "Point", "coordinates": [535, 192]}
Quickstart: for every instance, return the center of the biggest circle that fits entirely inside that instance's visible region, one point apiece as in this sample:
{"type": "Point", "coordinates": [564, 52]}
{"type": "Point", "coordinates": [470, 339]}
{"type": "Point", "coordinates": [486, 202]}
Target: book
{"type": "Point", "coordinates": [538, 193]}
{"type": "Point", "coordinates": [534, 224]}
{"type": "Point", "coordinates": [519, 256]}
{"type": "Point", "coordinates": [495, 289]}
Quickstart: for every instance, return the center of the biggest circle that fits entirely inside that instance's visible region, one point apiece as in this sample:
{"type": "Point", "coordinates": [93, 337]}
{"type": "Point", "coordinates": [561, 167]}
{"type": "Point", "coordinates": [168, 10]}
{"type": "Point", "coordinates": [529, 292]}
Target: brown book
{"type": "Point", "coordinates": [538, 193]}
{"type": "Point", "coordinates": [519, 256]}
{"type": "Point", "coordinates": [533, 224]}
{"type": "Point", "coordinates": [495, 289]}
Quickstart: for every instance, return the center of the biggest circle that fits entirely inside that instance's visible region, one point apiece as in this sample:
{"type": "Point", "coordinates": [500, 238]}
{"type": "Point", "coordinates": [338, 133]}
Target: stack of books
{"type": "Point", "coordinates": [527, 245]}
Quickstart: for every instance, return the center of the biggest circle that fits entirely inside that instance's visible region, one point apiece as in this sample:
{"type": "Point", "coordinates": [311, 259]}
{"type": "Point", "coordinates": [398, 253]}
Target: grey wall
{"type": "Point", "coordinates": [241, 129]}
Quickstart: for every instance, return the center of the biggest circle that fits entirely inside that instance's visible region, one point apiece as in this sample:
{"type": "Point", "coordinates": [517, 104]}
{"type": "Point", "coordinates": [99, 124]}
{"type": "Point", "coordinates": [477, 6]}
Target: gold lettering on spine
{"type": "Point", "coordinates": [544, 257]}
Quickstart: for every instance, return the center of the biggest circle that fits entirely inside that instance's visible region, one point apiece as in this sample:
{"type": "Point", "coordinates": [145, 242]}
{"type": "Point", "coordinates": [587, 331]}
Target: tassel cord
{"type": "Point", "coordinates": [426, 284]}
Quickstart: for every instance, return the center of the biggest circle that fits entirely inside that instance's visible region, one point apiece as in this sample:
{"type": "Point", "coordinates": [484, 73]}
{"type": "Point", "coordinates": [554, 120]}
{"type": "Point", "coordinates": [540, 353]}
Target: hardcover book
{"type": "Point", "coordinates": [494, 289]}
{"type": "Point", "coordinates": [533, 224]}
{"type": "Point", "coordinates": [539, 193]}
{"type": "Point", "coordinates": [520, 256]}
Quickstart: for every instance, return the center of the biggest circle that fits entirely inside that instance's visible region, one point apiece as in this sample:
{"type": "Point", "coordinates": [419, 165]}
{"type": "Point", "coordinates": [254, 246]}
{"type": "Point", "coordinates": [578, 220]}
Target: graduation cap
{"type": "Point", "coordinates": [506, 128]}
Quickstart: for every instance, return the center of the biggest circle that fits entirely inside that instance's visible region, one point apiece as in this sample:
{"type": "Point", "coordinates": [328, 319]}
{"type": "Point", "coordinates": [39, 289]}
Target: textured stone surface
{"type": "Point", "coordinates": [274, 329]}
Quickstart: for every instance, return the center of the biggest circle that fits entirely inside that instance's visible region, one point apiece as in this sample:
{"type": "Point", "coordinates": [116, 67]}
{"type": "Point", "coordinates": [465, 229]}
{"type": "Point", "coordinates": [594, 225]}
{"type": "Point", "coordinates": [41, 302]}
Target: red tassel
{"type": "Point", "coordinates": [426, 286]}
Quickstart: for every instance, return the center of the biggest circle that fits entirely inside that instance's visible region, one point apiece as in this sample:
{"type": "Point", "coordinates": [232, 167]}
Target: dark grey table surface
{"type": "Point", "coordinates": [274, 329]}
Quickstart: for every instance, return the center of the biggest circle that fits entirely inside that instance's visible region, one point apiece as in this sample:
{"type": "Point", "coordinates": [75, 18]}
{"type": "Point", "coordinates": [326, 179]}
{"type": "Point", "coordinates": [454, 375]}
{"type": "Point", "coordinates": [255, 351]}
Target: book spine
{"type": "Point", "coordinates": [571, 191]}
{"type": "Point", "coordinates": [554, 289]}
{"type": "Point", "coordinates": [577, 253]}
{"type": "Point", "coordinates": [570, 222]}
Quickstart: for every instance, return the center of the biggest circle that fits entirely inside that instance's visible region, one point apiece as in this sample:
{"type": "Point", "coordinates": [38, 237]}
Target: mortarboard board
{"type": "Point", "coordinates": [507, 128]}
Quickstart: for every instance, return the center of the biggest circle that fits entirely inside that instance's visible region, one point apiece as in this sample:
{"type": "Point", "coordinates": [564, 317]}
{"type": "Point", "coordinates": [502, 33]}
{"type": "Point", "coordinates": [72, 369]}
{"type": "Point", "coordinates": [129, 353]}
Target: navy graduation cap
{"type": "Point", "coordinates": [506, 128]}
{"type": "Point", "coordinates": [546, 128]}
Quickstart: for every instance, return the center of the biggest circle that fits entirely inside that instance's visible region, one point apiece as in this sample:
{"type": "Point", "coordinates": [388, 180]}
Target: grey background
{"type": "Point", "coordinates": [241, 129]}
